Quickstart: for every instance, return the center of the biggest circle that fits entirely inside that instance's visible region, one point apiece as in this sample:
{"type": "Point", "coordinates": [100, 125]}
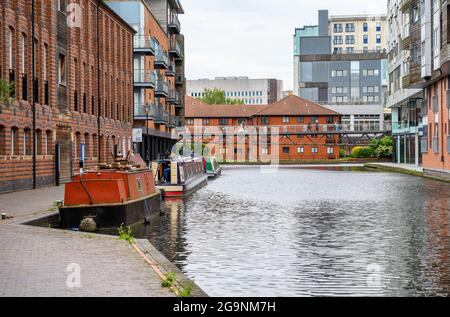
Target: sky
{"type": "Point", "coordinates": [253, 38]}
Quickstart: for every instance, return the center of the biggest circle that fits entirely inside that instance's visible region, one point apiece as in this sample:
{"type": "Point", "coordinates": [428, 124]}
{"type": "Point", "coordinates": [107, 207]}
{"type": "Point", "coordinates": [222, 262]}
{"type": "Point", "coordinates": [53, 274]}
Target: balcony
{"type": "Point", "coordinates": [161, 88]}
{"type": "Point", "coordinates": [173, 97]}
{"type": "Point", "coordinates": [406, 127]}
{"type": "Point", "coordinates": [161, 60]}
{"type": "Point", "coordinates": [170, 72]}
{"type": "Point", "coordinates": [180, 80]}
{"type": "Point", "coordinates": [405, 5]}
{"type": "Point", "coordinates": [161, 116]}
{"type": "Point", "coordinates": [174, 25]}
{"type": "Point", "coordinates": [144, 78]}
{"type": "Point", "coordinates": [144, 44]}
{"type": "Point", "coordinates": [175, 49]}
{"type": "Point", "coordinates": [140, 111]}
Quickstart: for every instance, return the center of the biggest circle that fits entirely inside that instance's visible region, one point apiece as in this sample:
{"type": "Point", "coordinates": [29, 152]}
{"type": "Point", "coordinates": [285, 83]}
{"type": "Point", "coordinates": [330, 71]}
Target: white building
{"type": "Point", "coordinates": [251, 91]}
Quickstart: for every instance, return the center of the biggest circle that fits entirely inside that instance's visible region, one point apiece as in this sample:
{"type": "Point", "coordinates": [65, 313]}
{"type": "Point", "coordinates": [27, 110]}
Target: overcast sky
{"type": "Point", "coordinates": [253, 37]}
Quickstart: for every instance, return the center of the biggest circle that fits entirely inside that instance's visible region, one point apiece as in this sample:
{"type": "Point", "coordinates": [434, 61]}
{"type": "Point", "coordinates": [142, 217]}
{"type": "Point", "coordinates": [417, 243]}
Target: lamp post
{"type": "Point", "coordinates": [146, 147]}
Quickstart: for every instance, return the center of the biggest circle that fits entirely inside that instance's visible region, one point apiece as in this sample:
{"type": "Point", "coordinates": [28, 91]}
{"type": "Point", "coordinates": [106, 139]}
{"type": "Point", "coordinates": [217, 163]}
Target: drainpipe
{"type": "Point", "coordinates": [33, 107]}
{"type": "Point", "coordinates": [99, 106]}
{"type": "Point", "coordinates": [442, 121]}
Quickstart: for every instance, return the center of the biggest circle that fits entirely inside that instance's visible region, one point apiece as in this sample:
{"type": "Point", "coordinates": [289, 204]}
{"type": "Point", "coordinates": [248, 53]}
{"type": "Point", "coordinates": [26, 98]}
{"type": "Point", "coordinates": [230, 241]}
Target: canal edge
{"type": "Point", "coordinates": [162, 266]}
{"type": "Point", "coordinates": [406, 171]}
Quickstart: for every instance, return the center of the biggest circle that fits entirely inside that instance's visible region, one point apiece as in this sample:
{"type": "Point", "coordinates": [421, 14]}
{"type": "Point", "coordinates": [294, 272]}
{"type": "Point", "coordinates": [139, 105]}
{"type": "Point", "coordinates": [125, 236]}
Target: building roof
{"type": "Point", "coordinates": [296, 106]}
{"type": "Point", "coordinates": [291, 105]}
{"type": "Point", "coordinates": [194, 108]}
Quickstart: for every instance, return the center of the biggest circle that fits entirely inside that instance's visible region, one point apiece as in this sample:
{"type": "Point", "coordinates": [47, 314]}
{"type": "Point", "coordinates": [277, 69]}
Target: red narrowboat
{"type": "Point", "coordinates": [112, 195]}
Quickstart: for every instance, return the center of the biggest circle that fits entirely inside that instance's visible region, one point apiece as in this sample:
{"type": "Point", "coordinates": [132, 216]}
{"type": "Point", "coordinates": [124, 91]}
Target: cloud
{"type": "Point", "coordinates": [253, 37]}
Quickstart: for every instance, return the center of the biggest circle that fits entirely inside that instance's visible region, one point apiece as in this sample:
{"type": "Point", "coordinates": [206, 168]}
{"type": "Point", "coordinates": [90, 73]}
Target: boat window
{"type": "Point", "coordinates": [139, 184]}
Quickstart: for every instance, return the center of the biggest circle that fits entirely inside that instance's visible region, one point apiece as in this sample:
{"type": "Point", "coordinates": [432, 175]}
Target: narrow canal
{"type": "Point", "coordinates": [310, 232]}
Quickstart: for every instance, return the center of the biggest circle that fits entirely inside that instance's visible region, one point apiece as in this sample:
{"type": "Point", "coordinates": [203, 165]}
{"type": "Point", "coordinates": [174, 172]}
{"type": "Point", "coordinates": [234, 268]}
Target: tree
{"type": "Point", "coordinates": [217, 97]}
{"type": "Point", "coordinates": [5, 91]}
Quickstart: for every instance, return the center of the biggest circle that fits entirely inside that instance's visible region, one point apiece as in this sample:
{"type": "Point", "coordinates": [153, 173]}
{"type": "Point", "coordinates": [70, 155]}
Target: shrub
{"type": "Point", "coordinates": [342, 153]}
{"type": "Point", "coordinates": [362, 152]}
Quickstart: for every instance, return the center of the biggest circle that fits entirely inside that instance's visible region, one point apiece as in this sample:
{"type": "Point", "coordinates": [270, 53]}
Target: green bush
{"type": "Point", "coordinates": [342, 153]}
{"type": "Point", "coordinates": [362, 152]}
{"type": "Point", "coordinates": [382, 148]}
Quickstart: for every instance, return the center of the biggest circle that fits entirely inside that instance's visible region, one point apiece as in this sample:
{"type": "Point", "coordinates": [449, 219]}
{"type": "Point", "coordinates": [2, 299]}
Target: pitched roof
{"type": "Point", "coordinates": [289, 106]}
{"type": "Point", "coordinates": [295, 106]}
{"type": "Point", "coordinates": [194, 108]}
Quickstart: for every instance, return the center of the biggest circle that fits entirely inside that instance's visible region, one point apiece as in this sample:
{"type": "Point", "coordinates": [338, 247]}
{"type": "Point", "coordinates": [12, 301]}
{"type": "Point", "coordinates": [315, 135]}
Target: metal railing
{"type": "Point", "coordinates": [144, 42]}
{"type": "Point", "coordinates": [144, 77]}
{"type": "Point", "coordinates": [161, 116]}
{"type": "Point", "coordinates": [141, 110]}
{"type": "Point", "coordinates": [161, 87]}
{"type": "Point", "coordinates": [174, 23]}
{"type": "Point", "coordinates": [405, 125]}
{"type": "Point", "coordinates": [161, 58]}
{"type": "Point", "coordinates": [175, 48]}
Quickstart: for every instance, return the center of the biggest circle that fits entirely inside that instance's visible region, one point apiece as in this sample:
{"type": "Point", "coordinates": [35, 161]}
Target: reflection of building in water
{"type": "Point", "coordinates": [437, 222]}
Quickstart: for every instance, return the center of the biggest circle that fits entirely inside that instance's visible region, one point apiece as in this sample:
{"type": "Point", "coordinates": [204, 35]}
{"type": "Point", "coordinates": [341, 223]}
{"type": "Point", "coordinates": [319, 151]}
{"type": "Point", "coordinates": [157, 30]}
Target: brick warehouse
{"type": "Point", "coordinates": [74, 85]}
{"type": "Point", "coordinates": [305, 128]}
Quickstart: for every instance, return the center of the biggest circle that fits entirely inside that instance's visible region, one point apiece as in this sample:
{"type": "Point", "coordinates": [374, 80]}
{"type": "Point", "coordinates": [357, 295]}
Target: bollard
{"type": "Point", "coordinates": [4, 215]}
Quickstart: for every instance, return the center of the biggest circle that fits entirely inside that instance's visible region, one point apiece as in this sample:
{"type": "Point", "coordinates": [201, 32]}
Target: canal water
{"type": "Point", "coordinates": [310, 232]}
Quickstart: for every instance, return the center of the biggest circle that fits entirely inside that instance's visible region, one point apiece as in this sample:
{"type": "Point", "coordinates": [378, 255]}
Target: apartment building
{"type": "Point", "coordinates": [158, 71]}
{"type": "Point", "coordinates": [405, 102]}
{"type": "Point", "coordinates": [353, 84]}
{"type": "Point", "coordinates": [358, 33]}
{"type": "Point", "coordinates": [78, 105]}
{"type": "Point", "coordinates": [250, 91]}
{"type": "Point", "coordinates": [288, 116]}
{"type": "Point", "coordinates": [429, 70]}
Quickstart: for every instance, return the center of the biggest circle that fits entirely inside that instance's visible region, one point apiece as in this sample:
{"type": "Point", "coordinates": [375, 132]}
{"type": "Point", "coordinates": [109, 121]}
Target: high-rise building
{"type": "Point", "coordinates": [159, 84]}
{"type": "Point", "coordinates": [404, 101]}
{"type": "Point", "coordinates": [352, 83]}
{"type": "Point", "coordinates": [250, 91]}
{"type": "Point", "coordinates": [81, 93]}
{"type": "Point", "coordinates": [429, 69]}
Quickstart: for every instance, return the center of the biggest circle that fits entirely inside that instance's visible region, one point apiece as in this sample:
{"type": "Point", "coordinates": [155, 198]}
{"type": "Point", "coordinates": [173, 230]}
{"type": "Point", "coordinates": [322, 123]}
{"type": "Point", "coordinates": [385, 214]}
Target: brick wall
{"type": "Point", "coordinates": [59, 119]}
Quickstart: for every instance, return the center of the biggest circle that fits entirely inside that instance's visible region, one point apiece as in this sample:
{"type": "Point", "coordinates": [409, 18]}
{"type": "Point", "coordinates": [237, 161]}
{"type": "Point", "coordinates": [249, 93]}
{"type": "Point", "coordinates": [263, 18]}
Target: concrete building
{"type": "Point", "coordinates": [405, 102]}
{"type": "Point", "coordinates": [358, 33]}
{"type": "Point", "coordinates": [429, 69]}
{"type": "Point", "coordinates": [250, 91]}
{"type": "Point", "coordinates": [158, 71]}
{"type": "Point", "coordinates": [305, 127]}
{"type": "Point", "coordinates": [353, 84]}
{"type": "Point", "coordinates": [81, 94]}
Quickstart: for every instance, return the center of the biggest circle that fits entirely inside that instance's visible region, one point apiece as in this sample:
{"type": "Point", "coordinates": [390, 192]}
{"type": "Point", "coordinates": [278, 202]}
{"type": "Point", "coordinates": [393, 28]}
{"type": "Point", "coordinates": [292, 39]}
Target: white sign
{"type": "Point", "coordinates": [137, 135]}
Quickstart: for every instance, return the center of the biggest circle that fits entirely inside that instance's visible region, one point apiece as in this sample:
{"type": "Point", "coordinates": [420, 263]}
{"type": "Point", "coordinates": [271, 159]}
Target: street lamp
{"type": "Point", "coordinates": [146, 148]}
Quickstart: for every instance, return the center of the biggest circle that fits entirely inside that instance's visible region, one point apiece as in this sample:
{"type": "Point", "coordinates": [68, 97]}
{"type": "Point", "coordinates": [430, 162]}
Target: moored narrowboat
{"type": "Point", "coordinates": [212, 167]}
{"type": "Point", "coordinates": [179, 177]}
{"type": "Point", "coordinates": [111, 195]}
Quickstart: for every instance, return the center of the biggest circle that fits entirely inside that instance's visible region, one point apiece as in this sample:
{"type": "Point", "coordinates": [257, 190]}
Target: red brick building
{"type": "Point", "coordinates": [84, 77]}
{"type": "Point", "coordinates": [301, 125]}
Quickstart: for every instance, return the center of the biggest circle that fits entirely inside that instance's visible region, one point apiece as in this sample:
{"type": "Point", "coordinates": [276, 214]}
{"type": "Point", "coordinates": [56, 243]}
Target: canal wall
{"type": "Point", "coordinates": [440, 175]}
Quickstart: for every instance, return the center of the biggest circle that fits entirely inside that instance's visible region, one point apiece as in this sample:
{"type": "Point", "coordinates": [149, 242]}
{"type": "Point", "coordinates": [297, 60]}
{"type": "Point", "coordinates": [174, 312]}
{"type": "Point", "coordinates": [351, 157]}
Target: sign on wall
{"type": "Point", "coordinates": [137, 135]}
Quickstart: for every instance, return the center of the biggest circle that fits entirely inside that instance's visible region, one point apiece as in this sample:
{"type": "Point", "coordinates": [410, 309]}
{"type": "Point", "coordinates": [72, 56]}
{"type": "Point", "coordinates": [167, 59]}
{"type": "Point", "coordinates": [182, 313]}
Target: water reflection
{"type": "Point", "coordinates": [310, 232]}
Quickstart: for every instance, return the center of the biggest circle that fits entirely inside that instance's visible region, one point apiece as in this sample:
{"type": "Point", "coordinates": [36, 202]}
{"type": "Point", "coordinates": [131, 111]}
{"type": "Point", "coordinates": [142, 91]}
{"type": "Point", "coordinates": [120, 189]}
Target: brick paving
{"type": "Point", "coordinates": [34, 261]}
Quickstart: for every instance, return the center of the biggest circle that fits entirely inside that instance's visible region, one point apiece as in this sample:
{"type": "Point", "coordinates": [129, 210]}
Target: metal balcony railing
{"type": "Point", "coordinates": [180, 80]}
{"type": "Point", "coordinates": [174, 24]}
{"type": "Point", "coordinates": [170, 71]}
{"type": "Point", "coordinates": [401, 127]}
{"type": "Point", "coordinates": [144, 44]}
{"type": "Point", "coordinates": [161, 88]}
{"type": "Point", "coordinates": [142, 110]}
{"type": "Point", "coordinates": [161, 116]}
{"type": "Point", "coordinates": [161, 59]}
{"type": "Point", "coordinates": [175, 49]}
{"type": "Point", "coordinates": [144, 78]}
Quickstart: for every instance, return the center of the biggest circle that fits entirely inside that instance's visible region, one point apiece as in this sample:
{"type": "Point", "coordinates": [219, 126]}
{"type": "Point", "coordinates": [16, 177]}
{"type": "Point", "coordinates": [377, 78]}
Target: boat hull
{"type": "Point", "coordinates": [108, 216]}
{"type": "Point", "coordinates": [215, 173]}
{"type": "Point", "coordinates": [180, 191]}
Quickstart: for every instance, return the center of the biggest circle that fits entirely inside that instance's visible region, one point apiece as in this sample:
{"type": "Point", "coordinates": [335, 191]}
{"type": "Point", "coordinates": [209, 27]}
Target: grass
{"type": "Point", "coordinates": [170, 279]}
{"type": "Point", "coordinates": [126, 234]}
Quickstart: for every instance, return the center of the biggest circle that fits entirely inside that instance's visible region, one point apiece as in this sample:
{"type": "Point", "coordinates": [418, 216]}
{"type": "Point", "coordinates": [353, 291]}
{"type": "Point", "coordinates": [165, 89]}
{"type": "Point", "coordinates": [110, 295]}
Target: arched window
{"type": "Point", "coordinates": [87, 147]}
{"type": "Point", "coordinates": [77, 144]}
{"type": "Point", "coordinates": [15, 141]}
{"type": "Point", "coordinates": [2, 140]}
{"type": "Point", "coordinates": [27, 142]}
{"type": "Point", "coordinates": [94, 146]}
{"type": "Point", "coordinates": [39, 143]}
{"type": "Point", "coordinates": [48, 143]}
